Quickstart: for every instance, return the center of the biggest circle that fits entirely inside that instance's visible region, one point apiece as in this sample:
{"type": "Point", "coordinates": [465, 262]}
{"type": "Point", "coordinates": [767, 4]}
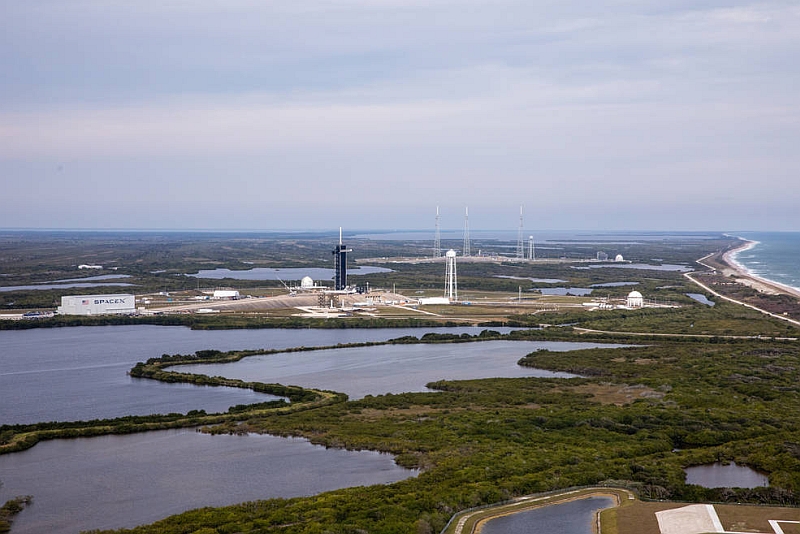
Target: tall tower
{"type": "Point", "coordinates": [531, 249]}
{"type": "Point", "coordinates": [450, 277]}
{"type": "Point", "coordinates": [340, 264]}
{"type": "Point", "coordinates": [520, 242]}
{"type": "Point", "coordinates": [437, 238]}
{"type": "Point", "coordinates": [466, 252]}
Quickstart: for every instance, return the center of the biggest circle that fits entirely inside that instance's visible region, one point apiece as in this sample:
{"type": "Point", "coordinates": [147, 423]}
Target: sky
{"type": "Point", "coordinates": [244, 114]}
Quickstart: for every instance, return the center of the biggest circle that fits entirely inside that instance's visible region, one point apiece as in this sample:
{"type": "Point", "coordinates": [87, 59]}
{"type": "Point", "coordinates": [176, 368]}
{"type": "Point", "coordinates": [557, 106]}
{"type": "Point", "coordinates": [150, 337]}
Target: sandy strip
{"type": "Point", "coordinates": [746, 277]}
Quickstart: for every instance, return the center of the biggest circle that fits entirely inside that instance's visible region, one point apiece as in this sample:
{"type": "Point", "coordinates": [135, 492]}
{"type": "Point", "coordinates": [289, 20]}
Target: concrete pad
{"type": "Point", "coordinates": [692, 519]}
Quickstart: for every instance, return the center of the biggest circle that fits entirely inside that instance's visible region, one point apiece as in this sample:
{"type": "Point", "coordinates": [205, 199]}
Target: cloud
{"type": "Point", "coordinates": [471, 100]}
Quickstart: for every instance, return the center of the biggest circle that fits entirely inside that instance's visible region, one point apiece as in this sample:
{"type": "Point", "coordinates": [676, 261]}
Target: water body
{"type": "Point", "coordinates": [390, 368]}
{"type": "Point", "coordinates": [615, 284]}
{"type": "Point", "coordinates": [534, 280]}
{"type": "Point", "coordinates": [93, 278]}
{"type": "Point", "coordinates": [123, 481]}
{"type": "Point", "coordinates": [640, 266]}
{"type": "Point", "coordinates": [775, 257]}
{"type": "Point", "coordinates": [89, 281]}
{"type": "Point", "coordinates": [563, 291]}
{"type": "Point", "coordinates": [80, 373]}
{"type": "Point", "coordinates": [574, 517]}
{"type": "Point", "coordinates": [63, 286]}
{"type": "Point", "coordinates": [699, 297]}
{"type": "Point", "coordinates": [725, 476]}
{"type": "Point", "coordinates": [265, 273]}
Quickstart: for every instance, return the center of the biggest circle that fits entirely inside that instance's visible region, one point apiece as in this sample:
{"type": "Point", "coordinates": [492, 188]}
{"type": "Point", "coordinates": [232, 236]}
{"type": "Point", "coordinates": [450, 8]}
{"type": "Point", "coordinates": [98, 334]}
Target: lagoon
{"type": "Point", "coordinates": [80, 373]}
{"type": "Point", "coordinates": [362, 371]}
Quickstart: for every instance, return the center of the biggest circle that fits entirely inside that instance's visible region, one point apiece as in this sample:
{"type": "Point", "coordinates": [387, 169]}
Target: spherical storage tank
{"type": "Point", "coordinates": [307, 282]}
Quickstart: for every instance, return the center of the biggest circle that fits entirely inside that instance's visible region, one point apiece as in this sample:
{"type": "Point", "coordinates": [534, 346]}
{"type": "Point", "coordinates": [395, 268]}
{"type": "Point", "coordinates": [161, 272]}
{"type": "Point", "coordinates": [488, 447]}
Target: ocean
{"type": "Point", "coordinates": [775, 257]}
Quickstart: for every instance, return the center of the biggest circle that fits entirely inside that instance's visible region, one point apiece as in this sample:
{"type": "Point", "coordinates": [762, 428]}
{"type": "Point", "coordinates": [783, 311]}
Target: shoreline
{"type": "Point", "coordinates": [746, 277]}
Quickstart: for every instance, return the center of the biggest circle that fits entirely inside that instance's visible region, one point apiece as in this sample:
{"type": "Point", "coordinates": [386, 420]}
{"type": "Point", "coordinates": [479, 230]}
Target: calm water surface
{"type": "Point", "coordinates": [725, 476]}
{"type": "Point", "coordinates": [574, 517]}
{"type": "Point", "coordinates": [80, 373]}
{"type": "Point", "coordinates": [699, 297]}
{"type": "Point", "coordinates": [123, 481]}
{"type": "Point", "coordinates": [390, 368]}
{"type": "Point", "coordinates": [266, 273]}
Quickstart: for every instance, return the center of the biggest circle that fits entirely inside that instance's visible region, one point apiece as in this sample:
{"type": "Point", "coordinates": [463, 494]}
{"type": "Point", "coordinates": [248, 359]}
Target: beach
{"type": "Point", "coordinates": [730, 267]}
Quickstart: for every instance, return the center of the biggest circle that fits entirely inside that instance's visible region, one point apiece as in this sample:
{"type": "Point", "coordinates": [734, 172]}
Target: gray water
{"type": "Point", "coordinates": [115, 481]}
{"type": "Point", "coordinates": [615, 284]}
{"type": "Point", "coordinates": [725, 476]}
{"type": "Point", "coordinates": [123, 481]}
{"type": "Point", "coordinates": [699, 297]}
{"type": "Point", "coordinates": [640, 266]}
{"type": "Point", "coordinates": [574, 517]}
{"type": "Point", "coordinates": [563, 291]}
{"type": "Point", "coordinates": [63, 286]}
{"type": "Point", "coordinates": [266, 273]}
{"type": "Point", "coordinates": [80, 373]}
{"type": "Point", "coordinates": [390, 368]}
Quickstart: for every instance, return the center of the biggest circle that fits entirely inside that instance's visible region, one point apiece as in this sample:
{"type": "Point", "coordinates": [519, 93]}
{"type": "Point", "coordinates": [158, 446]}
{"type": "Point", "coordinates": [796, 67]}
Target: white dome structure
{"type": "Point", "coordinates": [619, 258]}
{"type": "Point", "coordinates": [307, 282]}
{"type": "Point", "coordinates": [635, 300]}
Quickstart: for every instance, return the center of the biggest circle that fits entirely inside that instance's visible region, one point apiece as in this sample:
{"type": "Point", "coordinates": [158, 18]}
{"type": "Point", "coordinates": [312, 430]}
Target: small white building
{"type": "Point", "coordinates": [226, 294]}
{"type": "Point", "coordinates": [635, 300]}
{"type": "Point", "coordinates": [307, 283]}
{"type": "Point", "coordinates": [97, 305]}
{"type": "Point", "coordinates": [433, 300]}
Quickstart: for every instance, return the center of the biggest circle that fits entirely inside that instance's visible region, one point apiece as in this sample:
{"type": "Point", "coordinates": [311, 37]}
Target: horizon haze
{"type": "Point", "coordinates": [654, 115]}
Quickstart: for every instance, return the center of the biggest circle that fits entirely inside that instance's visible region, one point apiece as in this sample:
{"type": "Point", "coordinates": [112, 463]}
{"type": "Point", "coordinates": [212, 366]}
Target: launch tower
{"type": "Point", "coordinates": [340, 264]}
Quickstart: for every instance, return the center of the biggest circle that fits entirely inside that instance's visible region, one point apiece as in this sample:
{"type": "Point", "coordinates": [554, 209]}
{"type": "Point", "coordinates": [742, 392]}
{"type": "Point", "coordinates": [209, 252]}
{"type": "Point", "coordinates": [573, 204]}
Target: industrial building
{"type": "Point", "coordinates": [97, 304]}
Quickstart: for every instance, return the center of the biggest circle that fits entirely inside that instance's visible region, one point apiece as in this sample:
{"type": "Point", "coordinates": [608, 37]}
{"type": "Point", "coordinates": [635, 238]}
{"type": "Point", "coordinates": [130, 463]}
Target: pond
{"type": "Point", "coordinates": [573, 517]}
{"type": "Point", "coordinates": [701, 298]}
{"type": "Point", "coordinates": [720, 475]}
{"type": "Point", "coordinates": [123, 481]}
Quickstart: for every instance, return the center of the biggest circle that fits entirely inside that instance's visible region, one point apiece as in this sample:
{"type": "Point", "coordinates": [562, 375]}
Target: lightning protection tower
{"type": "Point", "coordinates": [531, 249]}
{"type": "Point", "coordinates": [340, 264]}
{"type": "Point", "coordinates": [466, 252]}
{"type": "Point", "coordinates": [450, 277]}
{"type": "Point", "coordinates": [437, 238]}
{"type": "Point", "coordinates": [520, 242]}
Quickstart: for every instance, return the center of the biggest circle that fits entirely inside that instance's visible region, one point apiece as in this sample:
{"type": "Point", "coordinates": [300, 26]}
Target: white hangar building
{"type": "Point", "coordinates": [97, 304]}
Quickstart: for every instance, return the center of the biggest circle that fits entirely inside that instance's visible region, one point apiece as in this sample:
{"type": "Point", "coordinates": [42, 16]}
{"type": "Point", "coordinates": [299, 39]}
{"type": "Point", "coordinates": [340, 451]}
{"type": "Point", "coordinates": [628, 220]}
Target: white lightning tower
{"type": "Point", "coordinates": [466, 252]}
{"type": "Point", "coordinates": [520, 242]}
{"type": "Point", "coordinates": [531, 249]}
{"type": "Point", "coordinates": [437, 238]}
{"type": "Point", "coordinates": [450, 277]}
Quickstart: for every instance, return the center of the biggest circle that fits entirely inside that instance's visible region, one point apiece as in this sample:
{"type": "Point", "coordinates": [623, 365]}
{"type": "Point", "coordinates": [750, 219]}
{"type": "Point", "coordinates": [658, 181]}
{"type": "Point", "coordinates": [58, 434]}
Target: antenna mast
{"type": "Point", "coordinates": [520, 242]}
{"type": "Point", "coordinates": [466, 252]}
{"type": "Point", "coordinates": [437, 238]}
